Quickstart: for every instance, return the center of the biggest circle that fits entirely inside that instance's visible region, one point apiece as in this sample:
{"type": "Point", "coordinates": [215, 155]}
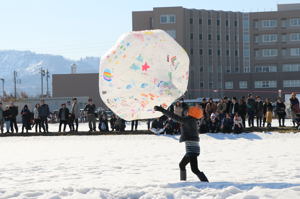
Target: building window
{"type": "Point", "coordinates": [269, 23]}
{"type": "Point", "coordinates": [229, 85]}
{"type": "Point", "coordinates": [191, 20]}
{"type": "Point", "coordinates": [172, 33]}
{"type": "Point", "coordinates": [236, 53]}
{"type": "Point", "coordinates": [201, 69]}
{"type": "Point", "coordinates": [219, 52]}
{"type": "Point", "coordinates": [265, 69]}
{"type": "Point", "coordinates": [166, 19]}
{"type": "Point", "coordinates": [209, 51]}
{"type": "Point", "coordinates": [243, 84]}
{"type": "Point", "coordinates": [191, 51]}
{"type": "Point", "coordinates": [201, 51]}
{"type": "Point", "coordinates": [200, 21]}
{"type": "Point", "coordinates": [218, 22]}
{"type": "Point", "coordinates": [291, 67]}
{"type": "Point", "coordinates": [291, 83]}
{"type": "Point", "coordinates": [295, 51]}
{"type": "Point", "coordinates": [235, 23]}
{"type": "Point", "coordinates": [265, 84]}
{"type": "Point", "coordinates": [200, 36]}
{"type": "Point", "coordinates": [269, 52]}
{"type": "Point", "coordinates": [295, 36]}
{"type": "Point", "coordinates": [227, 52]}
{"type": "Point", "coordinates": [295, 22]}
{"type": "Point", "coordinates": [218, 37]}
{"type": "Point", "coordinates": [226, 23]}
{"type": "Point", "coordinates": [209, 36]}
{"type": "Point", "coordinates": [227, 37]}
{"type": "Point", "coordinates": [269, 38]}
{"type": "Point", "coordinates": [211, 84]}
{"type": "Point", "coordinates": [209, 22]}
{"type": "Point", "coordinates": [191, 36]}
{"type": "Point", "coordinates": [201, 84]}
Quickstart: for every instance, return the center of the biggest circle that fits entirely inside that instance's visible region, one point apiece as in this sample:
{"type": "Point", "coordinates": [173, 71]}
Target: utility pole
{"type": "Point", "coordinates": [47, 78]}
{"type": "Point", "coordinates": [15, 83]}
{"type": "Point", "coordinates": [42, 71]}
{"type": "Point", "coordinates": [2, 79]}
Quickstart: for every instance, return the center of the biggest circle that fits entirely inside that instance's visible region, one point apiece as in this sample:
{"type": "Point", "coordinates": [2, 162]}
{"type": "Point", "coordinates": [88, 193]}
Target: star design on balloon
{"type": "Point", "coordinates": [145, 67]}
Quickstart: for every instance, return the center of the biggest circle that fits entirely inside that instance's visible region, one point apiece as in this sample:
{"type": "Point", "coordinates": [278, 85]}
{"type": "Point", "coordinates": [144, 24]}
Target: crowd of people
{"type": "Point", "coordinates": [226, 115]}
{"type": "Point", "coordinates": [230, 115]}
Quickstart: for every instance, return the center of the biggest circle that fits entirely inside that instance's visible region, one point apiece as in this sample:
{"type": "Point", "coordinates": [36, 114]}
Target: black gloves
{"type": "Point", "coordinates": [158, 108]}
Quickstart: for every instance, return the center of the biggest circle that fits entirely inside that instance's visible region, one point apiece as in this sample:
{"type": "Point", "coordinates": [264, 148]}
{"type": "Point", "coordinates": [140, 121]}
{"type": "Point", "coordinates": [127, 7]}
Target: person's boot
{"type": "Point", "coordinates": [202, 177]}
{"type": "Point", "coordinates": [183, 175]}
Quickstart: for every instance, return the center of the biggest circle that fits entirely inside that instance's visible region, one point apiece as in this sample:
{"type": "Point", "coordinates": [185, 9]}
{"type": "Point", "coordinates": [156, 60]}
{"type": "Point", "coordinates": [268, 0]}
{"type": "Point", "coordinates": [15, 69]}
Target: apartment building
{"type": "Point", "coordinates": [234, 53]}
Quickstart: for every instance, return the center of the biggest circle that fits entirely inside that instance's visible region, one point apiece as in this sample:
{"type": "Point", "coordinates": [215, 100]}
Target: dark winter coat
{"type": "Point", "coordinates": [44, 111]}
{"type": "Point", "coordinates": [267, 107]}
{"type": "Point", "coordinates": [90, 109]}
{"type": "Point", "coordinates": [280, 109]}
{"type": "Point", "coordinates": [227, 124]}
{"type": "Point", "coordinates": [157, 124]}
{"type": "Point", "coordinates": [243, 109]}
{"type": "Point", "coordinates": [7, 115]}
{"type": "Point", "coordinates": [251, 106]}
{"type": "Point", "coordinates": [26, 118]}
{"type": "Point", "coordinates": [294, 104]}
{"type": "Point", "coordinates": [13, 111]}
{"type": "Point", "coordinates": [259, 109]}
{"type": "Point", "coordinates": [63, 114]}
{"type": "Point", "coordinates": [235, 107]}
{"type": "Point", "coordinates": [188, 127]}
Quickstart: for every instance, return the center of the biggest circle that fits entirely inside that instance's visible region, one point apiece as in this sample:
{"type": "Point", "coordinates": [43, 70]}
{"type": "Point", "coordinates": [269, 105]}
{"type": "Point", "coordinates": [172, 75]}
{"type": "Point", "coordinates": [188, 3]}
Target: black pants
{"type": "Point", "coordinates": [259, 120]}
{"type": "Point", "coordinates": [37, 123]}
{"type": "Point", "coordinates": [134, 125]}
{"type": "Point", "coordinates": [251, 120]}
{"type": "Point", "coordinates": [243, 119]}
{"type": "Point", "coordinates": [192, 159]}
{"type": "Point", "coordinates": [44, 124]}
{"type": "Point", "coordinates": [60, 124]}
{"type": "Point", "coordinates": [281, 120]}
{"type": "Point", "coordinates": [13, 123]}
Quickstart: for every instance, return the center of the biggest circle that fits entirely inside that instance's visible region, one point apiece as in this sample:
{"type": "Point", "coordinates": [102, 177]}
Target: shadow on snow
{"type": "Point", "coordinates": [231, 136]}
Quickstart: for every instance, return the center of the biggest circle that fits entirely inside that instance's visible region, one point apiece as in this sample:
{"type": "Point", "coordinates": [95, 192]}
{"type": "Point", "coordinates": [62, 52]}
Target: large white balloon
{"type": "Point", "coordinates": [143, 69]}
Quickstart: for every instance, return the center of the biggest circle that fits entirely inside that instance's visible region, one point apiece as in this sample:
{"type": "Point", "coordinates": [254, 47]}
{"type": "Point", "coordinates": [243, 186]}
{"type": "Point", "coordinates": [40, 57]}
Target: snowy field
{"type": "Point", "coordinates": [245, 166]}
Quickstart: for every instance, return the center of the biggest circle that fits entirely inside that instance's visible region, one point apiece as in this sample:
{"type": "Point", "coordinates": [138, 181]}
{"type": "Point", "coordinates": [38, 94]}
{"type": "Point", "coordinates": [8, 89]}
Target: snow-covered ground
{"type": "Point", "coordinates": [245, 166]}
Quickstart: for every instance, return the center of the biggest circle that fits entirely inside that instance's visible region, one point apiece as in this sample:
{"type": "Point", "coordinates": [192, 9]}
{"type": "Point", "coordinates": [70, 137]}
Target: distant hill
{"type": "Point", "coordinates": [27, 64]}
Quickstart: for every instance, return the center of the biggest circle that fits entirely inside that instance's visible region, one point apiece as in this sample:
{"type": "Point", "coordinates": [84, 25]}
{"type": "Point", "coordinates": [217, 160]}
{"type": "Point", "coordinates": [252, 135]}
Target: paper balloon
{"type": "Point", "coordinates": [143, 69]}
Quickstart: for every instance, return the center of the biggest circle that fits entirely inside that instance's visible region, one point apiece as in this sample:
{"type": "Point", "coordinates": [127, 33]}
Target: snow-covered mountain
{"type": "Point", "coordinates": [28, 64]}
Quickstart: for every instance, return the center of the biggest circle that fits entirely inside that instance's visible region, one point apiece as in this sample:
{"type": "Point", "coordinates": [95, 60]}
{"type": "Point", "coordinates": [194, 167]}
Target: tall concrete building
{"type": "Point", "coordinates": [234, 53]}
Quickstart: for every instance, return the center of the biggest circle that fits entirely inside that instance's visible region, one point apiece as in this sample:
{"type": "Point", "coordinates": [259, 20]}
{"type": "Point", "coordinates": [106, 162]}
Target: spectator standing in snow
{"type": "Point", "coordinates": [26, 119]}
{"type": "Point", "coordinates": [251, 110]}
{"type": "Point", "coordinates": [259, 111]}
{"type": "Point", "coordinates": [44, 113]}
{"type": "Point", "coordinates": [211, 107]}
{"type": "Point", "coordinates": [234, 107]}
{"type": "Point", "coordinates": [7, 118]}
{"type": "Point", "coordinates": [189, 135]}
{"type": "Point", "coordinates": [90, 109]}
{"type": "Point", "coordinates": [134, 125]}
{"type": "Point", "coordinates": [221, 109]}
{"type": "Point", "coordinates": [103, 123]}
{"type": "Point", "coordinates": [243, 110]}
{"type": "Point", "coordinates": [63, 116]}
{"type": "Point", "coordinates": [294, 102]}
{"type": "Point", "coordinates": [280, 111]}
{"type": "Point", "coordinates": [75, 113]}
{"type": "Point", "coordinates": [14, 113]}
{"type": "Point", "coordinates": [37, 119]}
{"type": "Point", "coordinates": [112, 122]}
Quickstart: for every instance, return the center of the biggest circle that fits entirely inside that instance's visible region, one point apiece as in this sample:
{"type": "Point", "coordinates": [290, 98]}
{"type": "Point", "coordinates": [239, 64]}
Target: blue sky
{"type": "Point", "coordinates": [80, 28]}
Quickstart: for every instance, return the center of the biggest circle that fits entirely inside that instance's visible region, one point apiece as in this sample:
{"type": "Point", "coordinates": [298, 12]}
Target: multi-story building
{"type": "Point", "coordinates": [234, 53]}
